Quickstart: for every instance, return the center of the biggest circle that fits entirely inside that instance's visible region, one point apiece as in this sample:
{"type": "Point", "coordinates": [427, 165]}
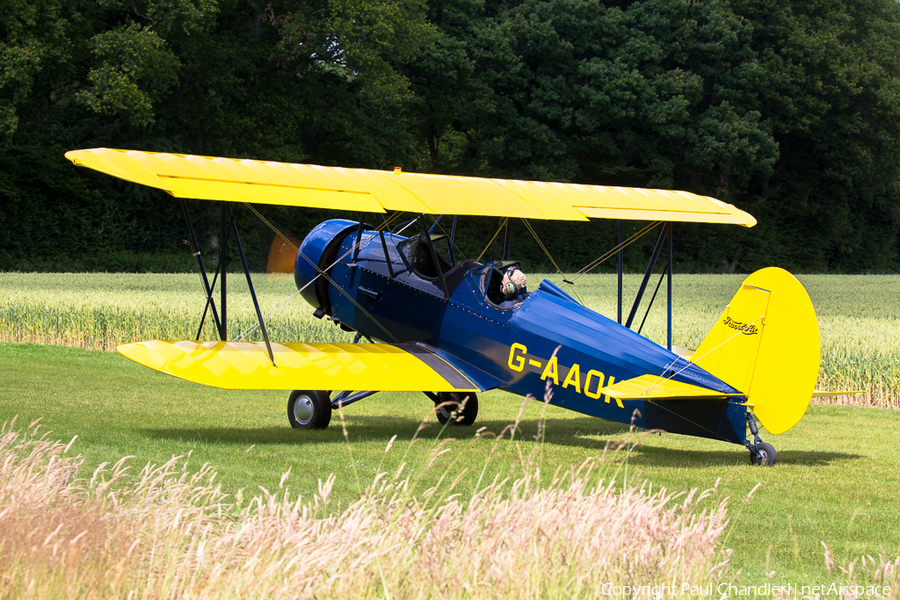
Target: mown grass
{"type": "Point", "coordinates": [859, 316]}
{"type": "Point", "coordinates": [835, 481]}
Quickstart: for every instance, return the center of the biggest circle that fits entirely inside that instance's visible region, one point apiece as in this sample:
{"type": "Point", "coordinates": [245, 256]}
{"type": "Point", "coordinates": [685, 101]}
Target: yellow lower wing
{"type": "Point", "coordinates": [246, 365]}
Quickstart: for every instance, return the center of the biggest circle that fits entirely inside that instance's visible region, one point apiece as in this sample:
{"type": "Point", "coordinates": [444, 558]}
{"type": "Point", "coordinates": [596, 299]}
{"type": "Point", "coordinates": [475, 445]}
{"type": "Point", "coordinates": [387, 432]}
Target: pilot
{"type": "Point", "coordinates": [513, 287]}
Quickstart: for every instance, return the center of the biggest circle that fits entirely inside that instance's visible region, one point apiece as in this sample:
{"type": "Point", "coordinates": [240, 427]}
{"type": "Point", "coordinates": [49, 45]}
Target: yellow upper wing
{"type": "Point", "coordinates": [210, 178]}
{"type": "Point", "coordinates": [246, 365]}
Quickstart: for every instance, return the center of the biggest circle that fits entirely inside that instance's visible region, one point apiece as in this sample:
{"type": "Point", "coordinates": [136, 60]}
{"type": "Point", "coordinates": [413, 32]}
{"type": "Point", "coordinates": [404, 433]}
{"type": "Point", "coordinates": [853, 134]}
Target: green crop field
{"type": "Point", "coordinates": [859, 316]}
{"type": "Point", "coordinates": [829, 503]}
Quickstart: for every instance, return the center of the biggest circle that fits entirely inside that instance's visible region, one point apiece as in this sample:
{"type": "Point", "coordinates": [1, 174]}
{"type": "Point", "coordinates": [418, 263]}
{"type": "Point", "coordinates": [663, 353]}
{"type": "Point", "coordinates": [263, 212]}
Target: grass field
{"type": "Point", "coordinates": [835, 483]}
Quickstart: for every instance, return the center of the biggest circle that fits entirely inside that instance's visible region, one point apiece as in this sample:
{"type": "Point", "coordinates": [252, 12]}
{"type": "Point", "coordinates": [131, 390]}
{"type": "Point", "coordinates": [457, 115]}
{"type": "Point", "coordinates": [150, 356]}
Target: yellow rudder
{"type": "Point", "coordinates": [766, 344]}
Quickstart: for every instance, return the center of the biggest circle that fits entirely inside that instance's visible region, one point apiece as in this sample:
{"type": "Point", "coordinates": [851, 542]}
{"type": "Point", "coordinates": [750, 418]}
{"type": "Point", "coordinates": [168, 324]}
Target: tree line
{"type": "Point", "coordinates": [788, 109]}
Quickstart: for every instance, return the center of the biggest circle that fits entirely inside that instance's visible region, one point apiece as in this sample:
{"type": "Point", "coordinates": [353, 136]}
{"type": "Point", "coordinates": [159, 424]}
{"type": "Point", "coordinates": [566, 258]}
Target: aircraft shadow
{"type": "Point", "coordinates": [374, 428]}
{"type": "Point", "coordinates": [731, 455]}
{"type": "Point", "coordinates": [588, 433]}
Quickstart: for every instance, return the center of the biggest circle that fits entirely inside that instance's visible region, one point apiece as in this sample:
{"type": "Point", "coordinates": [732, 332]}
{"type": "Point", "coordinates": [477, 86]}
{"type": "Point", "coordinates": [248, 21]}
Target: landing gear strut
{"type": "Point", "coordinates": [454, 407]}
{"type": "Point", "coordinates": [761, 453]}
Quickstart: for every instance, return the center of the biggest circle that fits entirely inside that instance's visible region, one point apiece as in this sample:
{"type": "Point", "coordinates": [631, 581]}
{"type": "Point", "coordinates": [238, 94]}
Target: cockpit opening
{"type": "Point", "coordinates": [418, 255]}
{"type": "Point", "coordinates": [493, 277]}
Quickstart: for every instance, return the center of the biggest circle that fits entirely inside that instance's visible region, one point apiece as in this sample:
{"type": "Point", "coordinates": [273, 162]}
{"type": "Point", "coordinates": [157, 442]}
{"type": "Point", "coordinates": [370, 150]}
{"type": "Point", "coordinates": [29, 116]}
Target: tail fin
{"type": "Point", "coordinates": [766, 344]}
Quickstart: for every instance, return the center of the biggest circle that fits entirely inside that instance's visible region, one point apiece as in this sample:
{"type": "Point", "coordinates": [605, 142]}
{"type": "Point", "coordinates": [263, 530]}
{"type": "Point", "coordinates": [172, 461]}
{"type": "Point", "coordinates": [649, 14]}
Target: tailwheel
{"type": "Point", "coordinates": [309, 409]}
{"type": "Point", "coordinates": [456, 408]}
{"type": "Point", "coordinates": [764, 455]}
{"type": "Point", "coordinates": [761, 453]}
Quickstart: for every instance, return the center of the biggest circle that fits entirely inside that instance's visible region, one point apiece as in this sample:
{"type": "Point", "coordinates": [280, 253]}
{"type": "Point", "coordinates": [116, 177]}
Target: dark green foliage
{"type": "Point", "coordinates": [788, 110]}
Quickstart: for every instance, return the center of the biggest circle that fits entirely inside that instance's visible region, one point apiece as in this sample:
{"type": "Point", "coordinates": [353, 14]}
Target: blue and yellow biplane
{"type": "Point", "coordinates": [426, 321]}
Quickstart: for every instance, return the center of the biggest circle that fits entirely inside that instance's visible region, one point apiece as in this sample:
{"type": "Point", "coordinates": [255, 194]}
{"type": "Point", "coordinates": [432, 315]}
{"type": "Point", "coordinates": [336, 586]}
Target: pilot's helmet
{"type": "Point", "coordinates": [513, 281]}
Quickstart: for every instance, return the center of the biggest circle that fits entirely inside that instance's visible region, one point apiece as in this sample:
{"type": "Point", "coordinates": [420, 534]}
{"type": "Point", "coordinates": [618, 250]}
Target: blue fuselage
{"type": "Point", "coordinates": [548, 347]}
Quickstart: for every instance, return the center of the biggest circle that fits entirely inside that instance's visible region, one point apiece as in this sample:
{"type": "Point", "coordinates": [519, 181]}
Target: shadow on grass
{"type": "Point", "coordinates": [374, 428]}
{"type": "Point", "coordinates": [732, 454]}
{"type": "Point", "coordinates": [586, 433]}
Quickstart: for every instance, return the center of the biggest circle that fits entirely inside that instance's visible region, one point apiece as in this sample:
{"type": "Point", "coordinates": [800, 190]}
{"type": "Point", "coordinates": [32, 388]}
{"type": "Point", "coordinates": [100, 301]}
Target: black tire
{"type": "Point", "coordinates": [766, 457]}
{"type": "Point", "coordinates": [309, 409]}
{"type": "Point", "coordinates": [456, 408]}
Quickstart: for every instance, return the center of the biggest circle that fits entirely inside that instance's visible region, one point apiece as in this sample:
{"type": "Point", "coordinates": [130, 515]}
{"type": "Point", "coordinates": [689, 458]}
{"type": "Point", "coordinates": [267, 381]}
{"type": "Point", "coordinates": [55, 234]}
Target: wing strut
{"type": "Point", "coordinates": [262, 323]}
{"type": "Point", "coordinates": [201, 268]}
{"type": "Point", "coordinates": [437, 264]}
{"type": "Point", "coordinates": [669, 269]}
{"type": "Point", "coordinates": [387, 256]}
{"type": "Point", "coordinates": [453, 238]}
{"type": "Point", "coordinates": [359, 232]}
{"type": "Point", "coordinates": [640, 295]}
{"type": "Point", "coordinates": [621, 253]}
{"type": "Point", "coordinates": [666, 238]}
{"type": "Point", "coordinates": [223, 269]}
{"type": "Point", "coordinates": [226, 222]}
{"type": "Point", "coordinates": [507, 238]}
{"type": "Point", "coordinates": [436, 225]}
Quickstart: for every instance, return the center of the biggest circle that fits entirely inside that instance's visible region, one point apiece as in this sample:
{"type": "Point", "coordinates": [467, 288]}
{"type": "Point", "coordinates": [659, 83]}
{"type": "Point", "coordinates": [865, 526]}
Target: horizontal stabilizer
{"type": "Point", "coordinates": [685, 353]}
{"type": "Point", "coordinates": [351, 367]}
{"type": "Point", "coordinates": [821, 394]}
{"type": "Point", "coordinates": [653, 387]}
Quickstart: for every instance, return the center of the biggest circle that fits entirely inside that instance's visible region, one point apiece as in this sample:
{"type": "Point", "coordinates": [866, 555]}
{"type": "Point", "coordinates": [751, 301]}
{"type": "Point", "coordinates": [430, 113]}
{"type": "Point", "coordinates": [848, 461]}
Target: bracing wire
{"type": "Point", "coordinates": [534, 234]}
{"type": "Point", "coordinates": [611, 252]}
{"type": "Point", "coordinates": [268, 223]}
{"type": "Point", "coordinates": [593, 264]}
{"type": "Point", "coordinates": [361, 243]}
{"type": "Point", "coordinates": [661, 380]}
{"type": "Point", "coordinates": [496, 233]}
{"type": "Point", "coordinates": [456, 247]}
{"type": "Point", "coordinates": [552, 260]}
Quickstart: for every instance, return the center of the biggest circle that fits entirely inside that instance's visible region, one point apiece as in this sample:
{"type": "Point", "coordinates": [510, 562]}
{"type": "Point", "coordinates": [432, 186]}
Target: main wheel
{"type": "Point", "coordinates": [309, 409]}
{"type": "Point", "coordinates": [456, 408]}
{"type": "Point", "coordinates": [767, 455]}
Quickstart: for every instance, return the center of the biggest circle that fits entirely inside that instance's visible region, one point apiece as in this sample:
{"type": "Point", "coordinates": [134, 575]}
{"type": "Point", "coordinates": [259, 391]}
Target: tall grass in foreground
{"type": "Point", "coordinates": [865, 578]}
{"type": "Point", "coordinates": [165, 532]}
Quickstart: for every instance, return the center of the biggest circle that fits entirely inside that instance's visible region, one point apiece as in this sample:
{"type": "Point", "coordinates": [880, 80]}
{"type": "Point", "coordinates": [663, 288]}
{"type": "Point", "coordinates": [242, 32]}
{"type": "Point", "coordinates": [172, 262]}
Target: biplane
{"type": "Point", "coordinates": [428, 320]}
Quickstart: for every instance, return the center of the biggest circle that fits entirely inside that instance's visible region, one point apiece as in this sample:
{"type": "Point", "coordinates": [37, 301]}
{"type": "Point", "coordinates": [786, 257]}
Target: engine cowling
{"type": "Point", "coordinates": [316, 255]}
